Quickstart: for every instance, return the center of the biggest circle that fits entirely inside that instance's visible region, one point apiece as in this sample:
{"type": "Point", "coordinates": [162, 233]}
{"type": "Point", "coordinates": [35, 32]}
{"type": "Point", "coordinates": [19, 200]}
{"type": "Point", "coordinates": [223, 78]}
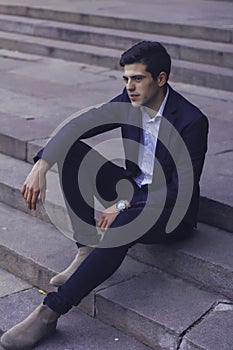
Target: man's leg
{"type": "Point", "coordinates": [85, 175]}
{"type": "Point", "coordinates": [103, 262]}
{"type": "Point", "coordinates": [81, 210]}
{"type": "Point", "coordinates": [95, 269]}
{"type": "Point", "coordinates": [101, 179]}
{"type": "Point", "coordinates": [62, 277]}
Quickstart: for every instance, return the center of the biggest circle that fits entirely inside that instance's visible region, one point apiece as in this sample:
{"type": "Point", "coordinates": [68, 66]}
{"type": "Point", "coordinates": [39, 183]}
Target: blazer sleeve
{"type": "Point", "coordinates": [123, 97]}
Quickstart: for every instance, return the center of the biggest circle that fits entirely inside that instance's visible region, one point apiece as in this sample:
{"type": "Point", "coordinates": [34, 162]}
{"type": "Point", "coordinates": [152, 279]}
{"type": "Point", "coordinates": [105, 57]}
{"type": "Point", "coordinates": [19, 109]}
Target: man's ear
{"type": "Point", "coordinates": [162, 79]}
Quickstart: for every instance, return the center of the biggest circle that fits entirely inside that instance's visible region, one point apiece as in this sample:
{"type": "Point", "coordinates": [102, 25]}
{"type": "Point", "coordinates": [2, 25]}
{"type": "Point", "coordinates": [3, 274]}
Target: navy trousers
{"type": "Point", "coordinates": [102, 262]}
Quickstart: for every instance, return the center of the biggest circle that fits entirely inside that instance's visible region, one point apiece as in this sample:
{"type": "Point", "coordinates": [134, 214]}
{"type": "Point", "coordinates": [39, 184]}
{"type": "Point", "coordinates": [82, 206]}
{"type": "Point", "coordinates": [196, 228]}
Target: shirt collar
{"type": "Point", "coordinates": [161, 109]}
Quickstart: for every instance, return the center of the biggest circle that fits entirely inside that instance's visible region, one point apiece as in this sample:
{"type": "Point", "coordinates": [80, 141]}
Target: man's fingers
{"type": "Point", "coordinates": [42, 195]}
{"type": "Point", "coordinates": [25, 192]}
{"type": "Point", "coordinates": [26, 195]}
{"type": "Point", "coordinates": [105, 225]}
{"type": "Point", "coordinates": [28, 198]}
{"type": "Point", "coordinates": [34, 198]}
{"type": "Point", "coordinates": [106, 218]}
{"type": "Point", "coordinates": [102, 222]}
{"type": "Point", "coordinates": [23, 189]}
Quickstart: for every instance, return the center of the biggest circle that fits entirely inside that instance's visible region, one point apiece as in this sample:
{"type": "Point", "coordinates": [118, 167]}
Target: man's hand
{"type": "Point", "coordinates": [35, 184]}
{"type": "Point", "coordinates": [107, 217]}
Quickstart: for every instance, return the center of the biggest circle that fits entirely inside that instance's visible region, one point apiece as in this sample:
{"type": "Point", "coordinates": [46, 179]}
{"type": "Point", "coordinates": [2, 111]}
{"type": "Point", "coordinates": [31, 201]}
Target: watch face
{"type": "Point", "coordinates": [121, 205]}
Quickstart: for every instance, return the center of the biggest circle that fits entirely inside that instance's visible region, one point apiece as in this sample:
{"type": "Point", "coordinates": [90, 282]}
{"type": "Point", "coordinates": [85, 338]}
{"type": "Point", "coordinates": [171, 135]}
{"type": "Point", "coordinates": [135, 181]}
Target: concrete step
{"type": "Point", "coordinates": [184, 71]}
{"type": "Point", "coordinates": [198, 252]}
{"type": "Point", "coordinates": [199, 259]}
{"type": "Point", "coordinates": [76, 330]}
{"type": "Point", "coordinates": [216, 206]}
{"type": "Point", "coordinates": [169, 310]}
{"type": "Point", "coordinates": [150, 20]}
{"type": "Point", "coordinates": [35, 251]}
{"type": "Point", "coordinates": [61, 49]}
{"type": "Point", "coordinates": [199, 51]}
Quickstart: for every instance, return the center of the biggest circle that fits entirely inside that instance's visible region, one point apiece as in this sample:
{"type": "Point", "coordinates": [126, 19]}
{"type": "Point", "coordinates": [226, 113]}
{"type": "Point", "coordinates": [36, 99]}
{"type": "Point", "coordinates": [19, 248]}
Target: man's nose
{"type": "Point", "coordinates": [130, 85]}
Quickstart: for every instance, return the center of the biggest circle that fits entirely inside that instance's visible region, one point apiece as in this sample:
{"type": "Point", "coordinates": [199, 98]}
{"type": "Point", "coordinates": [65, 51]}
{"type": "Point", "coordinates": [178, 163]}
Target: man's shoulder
{"type": "Point", "coordinates": [183, 107]}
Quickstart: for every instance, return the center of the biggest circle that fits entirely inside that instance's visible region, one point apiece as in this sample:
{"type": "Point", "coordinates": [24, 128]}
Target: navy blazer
{"type": "Point", "coordinates": [185, 120]}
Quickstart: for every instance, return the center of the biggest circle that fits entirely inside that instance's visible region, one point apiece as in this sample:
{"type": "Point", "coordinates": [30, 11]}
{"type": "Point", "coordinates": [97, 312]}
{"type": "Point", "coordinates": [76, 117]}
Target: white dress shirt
{"type": "Point", "coordinates": [148, 143]}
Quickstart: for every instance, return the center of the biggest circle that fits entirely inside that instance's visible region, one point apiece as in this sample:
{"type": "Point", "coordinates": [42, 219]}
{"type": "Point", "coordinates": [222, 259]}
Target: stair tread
{"type": "Point", "coordinates": [214, 76]}
{"type": "Point", "coordinates": [208, 183]}
{"type": "Point", "coordinates": [185, 88]}
{"type": "Point", "coordinates": [218, 162]}
{"type": "Point", "coordinates": [14, 172]}
{"type": "Point", "coordinates": [200, 258]}
{"type": "Point", "coordinates": [138, 11]}
{"type": "Point", "coordinates": [113, 53]}
{"type": "Point", "coordinates": [165, 304]}
{"type": "Point", "coordinates": [43, 244]}
{"type": "Point", "coordinates": [207, 244]}
{"type": "Point", "coordinates": [166, 39]}
{"type": "Point", "coordinates": [203, 67]}
{"type": "Point", "coordinates": [163, 295]}
{"type": "Point", "coordinates": [61, 44]}
{"type": "Point", "coordinates": [75, 331]}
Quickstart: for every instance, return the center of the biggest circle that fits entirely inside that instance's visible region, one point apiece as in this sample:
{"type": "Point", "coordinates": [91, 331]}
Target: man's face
{"type": "Point", "coordinates": [142, 89]}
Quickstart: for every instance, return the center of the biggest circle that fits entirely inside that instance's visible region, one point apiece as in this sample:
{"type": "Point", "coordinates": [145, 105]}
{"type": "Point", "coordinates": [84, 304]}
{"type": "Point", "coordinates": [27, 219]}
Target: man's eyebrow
{"type": "Point", "coordinates": [133, 76]}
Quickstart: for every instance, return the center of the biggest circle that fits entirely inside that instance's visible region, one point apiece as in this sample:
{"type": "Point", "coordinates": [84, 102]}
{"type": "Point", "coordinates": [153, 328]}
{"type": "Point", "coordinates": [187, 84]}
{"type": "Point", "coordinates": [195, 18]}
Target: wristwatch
{"type": "Point", "coordinates": [121, 205]}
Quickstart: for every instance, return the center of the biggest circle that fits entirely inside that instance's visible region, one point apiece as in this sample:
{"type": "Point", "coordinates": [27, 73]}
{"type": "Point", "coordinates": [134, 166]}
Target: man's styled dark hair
{"type": "Point", "coordinates": [150, 53]}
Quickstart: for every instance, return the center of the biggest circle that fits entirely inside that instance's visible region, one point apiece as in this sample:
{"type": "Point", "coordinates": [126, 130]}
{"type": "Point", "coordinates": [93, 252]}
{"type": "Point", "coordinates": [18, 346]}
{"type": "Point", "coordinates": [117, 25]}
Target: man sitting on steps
{"type": "Point", "coordinates": [165, 142]}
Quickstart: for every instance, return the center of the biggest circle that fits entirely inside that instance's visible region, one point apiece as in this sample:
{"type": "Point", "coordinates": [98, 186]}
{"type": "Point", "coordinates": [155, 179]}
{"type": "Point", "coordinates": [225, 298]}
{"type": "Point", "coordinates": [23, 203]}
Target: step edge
{"type": "Point", "coordinates": [49, 44]}
{"type": "Point", "coordinates": [186, 41]}
{"type": "Point", "coordinates": [34, 11]}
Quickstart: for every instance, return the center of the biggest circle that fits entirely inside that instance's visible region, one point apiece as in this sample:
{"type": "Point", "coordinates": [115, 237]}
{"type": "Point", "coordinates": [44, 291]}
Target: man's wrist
{"type": "Point", "coordinates": [42, 165]}
{"type": "Point", "coordinates": [122, 205]}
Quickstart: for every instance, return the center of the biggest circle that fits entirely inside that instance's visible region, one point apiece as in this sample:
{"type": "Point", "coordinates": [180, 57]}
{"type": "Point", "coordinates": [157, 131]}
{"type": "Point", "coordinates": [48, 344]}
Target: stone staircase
{"type": "Point", "coordinates": [201, 55]}
{"type": "Point", "coordinates": [176, 297]}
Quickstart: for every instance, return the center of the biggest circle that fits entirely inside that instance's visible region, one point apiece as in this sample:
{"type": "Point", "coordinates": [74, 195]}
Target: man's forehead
{"type": "Point", "coordinates": [135, 69]}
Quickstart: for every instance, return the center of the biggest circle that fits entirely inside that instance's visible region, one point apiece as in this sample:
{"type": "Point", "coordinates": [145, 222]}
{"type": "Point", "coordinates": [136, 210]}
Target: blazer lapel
{"type": "Point", "coordinates": [166, 126]}
{"type": "Point", "coordinates": [131, 132]}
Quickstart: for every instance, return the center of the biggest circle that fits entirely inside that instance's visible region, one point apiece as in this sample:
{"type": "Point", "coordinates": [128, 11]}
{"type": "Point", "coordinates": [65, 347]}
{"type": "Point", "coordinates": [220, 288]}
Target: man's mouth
{"type": "Point", "coordinates": [133, 97]}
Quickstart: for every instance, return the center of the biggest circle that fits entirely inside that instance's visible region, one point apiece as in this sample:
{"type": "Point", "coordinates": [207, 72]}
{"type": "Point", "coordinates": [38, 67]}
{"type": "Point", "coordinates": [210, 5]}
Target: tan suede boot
{"type": "Point", "coordinates": [62, 277]}
{"type": "Point", "coordinates": [25, 335]}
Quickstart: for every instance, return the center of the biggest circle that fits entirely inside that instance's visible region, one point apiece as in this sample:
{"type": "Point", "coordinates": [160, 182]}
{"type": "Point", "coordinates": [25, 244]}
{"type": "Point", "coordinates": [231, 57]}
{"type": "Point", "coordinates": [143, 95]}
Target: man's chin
{"type": "Point", "coordinates": [135, 104]}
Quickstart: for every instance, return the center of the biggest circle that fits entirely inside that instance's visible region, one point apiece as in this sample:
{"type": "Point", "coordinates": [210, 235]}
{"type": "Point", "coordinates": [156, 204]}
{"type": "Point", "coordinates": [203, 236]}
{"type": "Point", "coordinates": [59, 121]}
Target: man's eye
{"type": "Point", "coordinates": [137, 79]}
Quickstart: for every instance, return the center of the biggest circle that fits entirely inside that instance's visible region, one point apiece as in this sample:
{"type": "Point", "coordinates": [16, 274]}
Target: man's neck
{"type": "Point", "coordinates": [153, 111]}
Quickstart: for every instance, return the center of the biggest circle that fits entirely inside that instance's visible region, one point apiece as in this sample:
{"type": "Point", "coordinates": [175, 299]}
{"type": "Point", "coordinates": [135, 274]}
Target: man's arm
{"type": "Point", "coordinates": [123, 97]}
{"type": "Point", "coordinates": [35, 183]}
